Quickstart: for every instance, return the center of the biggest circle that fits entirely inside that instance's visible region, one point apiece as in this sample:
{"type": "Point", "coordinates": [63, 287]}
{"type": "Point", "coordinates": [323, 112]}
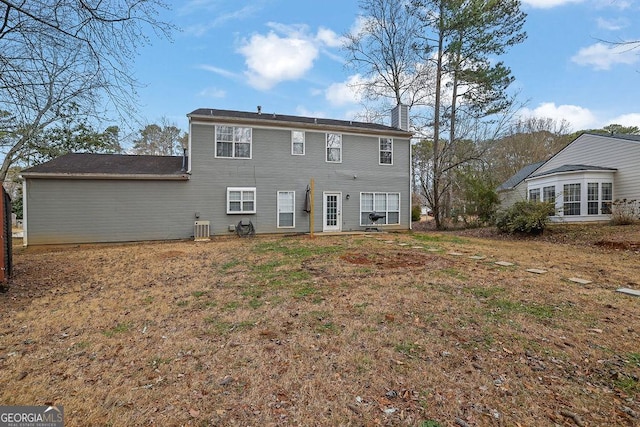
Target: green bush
{"type": "Point", "coordinates": [415, 213]}
{"type": "Point", "coordinates": [527, 217]}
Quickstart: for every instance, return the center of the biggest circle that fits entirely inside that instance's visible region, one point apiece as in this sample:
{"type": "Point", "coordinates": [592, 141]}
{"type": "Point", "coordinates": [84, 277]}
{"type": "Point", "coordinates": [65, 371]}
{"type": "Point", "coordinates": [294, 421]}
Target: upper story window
{"type": "Point", "coordinates": [297, 143]}
{"type": "Point", "coordinates": [241, 200]}
{"type": "Point", "coordinates": [334, 147]}
{"type": "Point", "coordinates": [386, 151]}
{"type": "Point", "coordinates": [233, 142]}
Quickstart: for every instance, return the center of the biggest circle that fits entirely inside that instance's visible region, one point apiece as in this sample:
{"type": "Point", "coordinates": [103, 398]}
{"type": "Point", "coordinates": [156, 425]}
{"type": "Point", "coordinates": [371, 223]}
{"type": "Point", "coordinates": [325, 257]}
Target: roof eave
{"type": "Point", "coordinates": [571, 172]}
{"type": "Point", "coordinates": [111, 176]}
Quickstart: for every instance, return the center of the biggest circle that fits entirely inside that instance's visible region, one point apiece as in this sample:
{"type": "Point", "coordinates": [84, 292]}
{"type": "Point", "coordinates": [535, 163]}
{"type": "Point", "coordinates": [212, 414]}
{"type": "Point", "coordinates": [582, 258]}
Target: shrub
{"type": "Point", "coordinates": [528, 217]}
{"type": "Point", "coordinates": [415, 213]}
{"type": "Point", "coordinates": [624, 212]}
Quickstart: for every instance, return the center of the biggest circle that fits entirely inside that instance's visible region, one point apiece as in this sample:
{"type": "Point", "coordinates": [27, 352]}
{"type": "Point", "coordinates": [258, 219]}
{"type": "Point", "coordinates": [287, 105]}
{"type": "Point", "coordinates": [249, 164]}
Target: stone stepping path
{"type": "Point", "coordinates": [626, 291]}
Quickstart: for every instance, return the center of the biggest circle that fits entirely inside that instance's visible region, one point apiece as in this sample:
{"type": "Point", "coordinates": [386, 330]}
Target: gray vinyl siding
{"type": "Point", "coordinates": [513, 195]}
{"type": "Point", "coordinates": [272, 168]}
{"type": "Point", "coordinates": [104, 210]}
{"type": "Point", "coordinates": [604, 151]}
{"type": "Point", "coordinates": [80, 211]}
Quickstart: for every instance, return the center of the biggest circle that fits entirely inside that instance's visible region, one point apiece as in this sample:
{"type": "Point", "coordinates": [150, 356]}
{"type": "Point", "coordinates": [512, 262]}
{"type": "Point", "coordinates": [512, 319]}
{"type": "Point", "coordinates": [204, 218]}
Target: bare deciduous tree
{"type": "Point", "coordinates": [61, 54]}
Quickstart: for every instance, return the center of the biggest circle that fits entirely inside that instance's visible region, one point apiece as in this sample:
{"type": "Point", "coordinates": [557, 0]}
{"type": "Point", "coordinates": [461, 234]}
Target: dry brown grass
{"type": "Point", "coordinates": [344, 330]}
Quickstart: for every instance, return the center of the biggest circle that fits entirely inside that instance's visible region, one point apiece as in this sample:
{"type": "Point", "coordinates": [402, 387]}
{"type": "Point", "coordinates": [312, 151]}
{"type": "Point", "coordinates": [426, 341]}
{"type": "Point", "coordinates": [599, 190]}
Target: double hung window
{"type": "Point", "coordinates": [571, 199]}
{"type": "Point", "coordinates": [286, 209]}
{"type": "Point", "coordinates": [334, 148]}
{"type": "Point", "coordinates": [241, 200]}
{"type": "Point", "coordinates": [297, 143]}
{"type": "Point", "coordinates": [386, 151]}
{"type": "Point", "coordinates": [233, 142]}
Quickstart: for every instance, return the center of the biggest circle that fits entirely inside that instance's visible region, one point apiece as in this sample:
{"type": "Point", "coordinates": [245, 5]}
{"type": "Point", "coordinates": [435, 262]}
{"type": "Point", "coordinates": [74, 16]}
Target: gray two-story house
{"type": "Point", "coordinates": [244, 172]}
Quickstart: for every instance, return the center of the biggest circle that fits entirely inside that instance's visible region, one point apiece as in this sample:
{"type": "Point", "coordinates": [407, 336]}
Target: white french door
{"type": "Point", "coordinates": [331, 211]}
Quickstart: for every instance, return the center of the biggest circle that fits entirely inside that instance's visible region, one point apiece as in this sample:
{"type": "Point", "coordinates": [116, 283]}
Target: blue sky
{"type": "Point", "coordinates": [285, 56]}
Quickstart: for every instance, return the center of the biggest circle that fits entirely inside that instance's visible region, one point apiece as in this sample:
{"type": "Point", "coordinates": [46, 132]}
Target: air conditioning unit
{"type": "Point", "coordinates": [201, 231]}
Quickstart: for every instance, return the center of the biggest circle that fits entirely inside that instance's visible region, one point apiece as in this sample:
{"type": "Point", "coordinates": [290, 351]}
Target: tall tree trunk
{"type": "Point", "coordinates": [436, 208]}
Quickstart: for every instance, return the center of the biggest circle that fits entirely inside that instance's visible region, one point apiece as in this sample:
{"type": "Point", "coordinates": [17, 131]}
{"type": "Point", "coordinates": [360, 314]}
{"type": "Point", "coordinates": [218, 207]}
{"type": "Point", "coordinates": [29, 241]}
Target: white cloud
{"type": "Point", "coordinates": [602, 56]}
{"type": "Point", "coordinates": [329, 37]}
{"type": "Point", "coordinates": [343, 93]}
{"type": "Point", "coordinates": [212, 92]}
{"type": "Point", "coordinates": [631, 119]}
{"type": "Point", "coordinates": [548, 4]}
{"type": "Point", "coordinates": [578, 117]}
{"type": "Point", "coordinates": [272, 59]}
{"type": "Point", "coordinates": [612, 24]}
{"type": "Point", "coordinates": [221, 17]}
{"type": "Point", "coordinates": [287, 52]}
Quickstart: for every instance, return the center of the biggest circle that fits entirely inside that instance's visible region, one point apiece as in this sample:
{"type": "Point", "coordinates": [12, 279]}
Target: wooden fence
{"type": "Point", "coordinates": [6, 262]}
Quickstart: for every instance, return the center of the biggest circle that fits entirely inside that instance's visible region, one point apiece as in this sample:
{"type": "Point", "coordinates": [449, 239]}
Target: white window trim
{"type": "Point", "coordinates": [233, 148]}
{"type": "Point", "coordinates": [293, 211]}
{"type": "Point", "coordinates": [386, 212]}
{"type": "Point", "coordinates": [304, 143]}
{"type": "Point", "coordinates": [242, 189]}
{"type": "Point", "coordinates": [583, 178]}
{"type": "Point", "coordinates": [326, 147]}
{"type": "Point", "coordinates": [380, 152]}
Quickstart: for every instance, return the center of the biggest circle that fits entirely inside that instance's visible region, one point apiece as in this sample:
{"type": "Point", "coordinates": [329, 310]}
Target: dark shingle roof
{"type": "Point", "coordinates": [519, 176]}
{"type": "Point", "coordinates": [573, 168]}
{"type": "Point", "coordinates": [628, 137]}
{"type": "Point", "coordinates": [109, 165]}
{"type": "Point", "coordinates": [282, 118]}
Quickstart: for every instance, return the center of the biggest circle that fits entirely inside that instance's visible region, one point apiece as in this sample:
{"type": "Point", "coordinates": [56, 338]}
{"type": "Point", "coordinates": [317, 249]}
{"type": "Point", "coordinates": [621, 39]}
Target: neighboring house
{"type": "Point", "coordinates": [582, 179]}
{"type": "Point", "coordinates": [243, 168]}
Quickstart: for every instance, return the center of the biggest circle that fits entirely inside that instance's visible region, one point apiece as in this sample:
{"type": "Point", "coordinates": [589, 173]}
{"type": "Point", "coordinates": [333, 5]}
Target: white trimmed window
{"type": "Point", "coordinates": [233, 142]}
{"type": "Point", "coordinates": [241, 200]}
{"type": "Point", "coordinates": [297, 143]}
{"type": "Point", "coordinates": [387, 204]}
{"type": "Point", "coordinates": [571, 199]}
{"type": "Point", "coordinates": [607, 197]}
{"type": "Point", "coordinates": [599, 197]}
{"type": "Point", "coordinates": [549, 194]}
{"type": "Point", "coordinates": [534, 195]}
{"type": "Point", "coordinates": [286, 209]}
{"type": "Point", "coordinates": [334, 148]}
{"type": "Point", "coordinates": [386, 151]}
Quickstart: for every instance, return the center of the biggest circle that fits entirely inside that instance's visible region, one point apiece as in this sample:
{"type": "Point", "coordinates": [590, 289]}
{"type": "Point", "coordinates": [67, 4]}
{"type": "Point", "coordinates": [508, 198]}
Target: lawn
{"type": "Point", "coordinates": [419, 329]}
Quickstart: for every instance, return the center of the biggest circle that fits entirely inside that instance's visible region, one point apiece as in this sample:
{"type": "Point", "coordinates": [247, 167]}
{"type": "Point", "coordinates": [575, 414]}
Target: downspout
{"type": "Point", "coordinates": [189, 149]}
{"type": "Point", "coordinates": [410, 185]}
{"type": "Point", "coordinates": [24, 212]}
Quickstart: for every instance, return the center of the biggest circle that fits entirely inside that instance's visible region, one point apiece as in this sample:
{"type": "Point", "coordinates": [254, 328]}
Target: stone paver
{"type": "Point", "coordinates": [504, 263]}
{"type": "Point", "coordinates": [579, 280]}
{"type": "Point", "coordinates": [536, 270]}
{"type": "Point", "coordinates": [628, 291]}
{"type": "Point", "coordinates": [455, 253]}
{"type": "Point", "coordinates": [477, 257]}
